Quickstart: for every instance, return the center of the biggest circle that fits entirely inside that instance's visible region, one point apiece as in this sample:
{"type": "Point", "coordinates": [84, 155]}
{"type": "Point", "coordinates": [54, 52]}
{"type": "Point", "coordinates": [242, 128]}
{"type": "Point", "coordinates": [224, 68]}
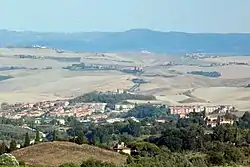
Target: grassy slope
{"type": "Point", "coordinates": [56, 153]}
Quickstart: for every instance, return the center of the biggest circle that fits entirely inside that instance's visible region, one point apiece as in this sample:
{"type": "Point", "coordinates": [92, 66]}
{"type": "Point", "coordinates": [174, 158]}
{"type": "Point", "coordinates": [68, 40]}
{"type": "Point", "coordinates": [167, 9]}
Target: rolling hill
{"type": "Point", "coordinates": [53, 154]}
{"type": "Point", "coordinates": [132, 40]}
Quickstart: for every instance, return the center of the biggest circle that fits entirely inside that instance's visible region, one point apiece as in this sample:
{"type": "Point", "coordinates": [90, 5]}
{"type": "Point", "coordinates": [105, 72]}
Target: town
{"type": "Point", "coordinates": [97, 112]}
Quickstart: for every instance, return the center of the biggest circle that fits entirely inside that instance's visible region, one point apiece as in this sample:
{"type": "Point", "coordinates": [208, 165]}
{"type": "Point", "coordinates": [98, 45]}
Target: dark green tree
{"type": "Point", "coordinates": [216, 158]}
{"type": "Point", "coordinates": [233, 154]}
{"type": "Point", "coordinates": [13, 145]}
{"type": "Point", "coordinates": [54, 137]}
{"type": "Point", "coordinates": [248, 137]}
{"type": "Point", "coordinates": [80, 138]}
{"type": "Point", "coordinates": [37, 139]}
{"type": "Point", "coordinates": [246, 117]}
{"type": "Point", "coordinates": [204, 113]}
{"type": "Point", "coordinates": [27, 140]}
{"type": "Point", "coordinates": [229, 135]}
{"type": "Point", "coordinates": [3, 148]}
{"type": "Point", "coordinates": [219, 133]}
{"type": "Point", "coordinates": [120, 108]}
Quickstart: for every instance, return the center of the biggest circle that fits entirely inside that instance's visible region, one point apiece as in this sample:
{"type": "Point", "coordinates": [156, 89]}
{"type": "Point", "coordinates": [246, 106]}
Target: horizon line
{"type": "Point", "coordinates": [132, 29]}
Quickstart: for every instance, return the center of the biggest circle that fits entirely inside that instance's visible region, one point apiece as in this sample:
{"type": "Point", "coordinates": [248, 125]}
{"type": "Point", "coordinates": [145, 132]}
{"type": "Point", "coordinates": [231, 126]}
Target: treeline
{"type": "Point", "coordinates": [7, 121]}
{"type": "Point", "coordinates": [186, 142]}
{"type": "Point", "coordinates": [150, 155]}
{"type": "Point", "coordinates": [109, 98]}
{"type": "Point", "coordinates": [10, 132]}
{"type": "Point", "coordinates": [2, 77]}
{"type": "Point", "coordinates": [213, 74]}
{"type": "Point", "coordinates": [8, 147]}
{"type": "Point", "coordinates": [244, 121]}
{"type": "Point", "coordinates": [147, 110]}
{"type": "Point", "coordinates": [108, 134]}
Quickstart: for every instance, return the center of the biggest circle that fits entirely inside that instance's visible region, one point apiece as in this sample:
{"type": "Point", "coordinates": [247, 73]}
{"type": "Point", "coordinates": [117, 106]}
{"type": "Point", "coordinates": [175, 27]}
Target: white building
{"type": "Point", "coordinates": [119, 91]}
{"type": "Point", "coordinates": [134, 119]}
{"type": "Point", "coordinates": [37, 121]}
{"type": "Point", "coordinates": [18, 146]}
{"type": "Point", "coordinates": [122, 148]}
{"type": "Point", "coordinates": [124, 107]}
{"type": "Point", "coordinates": [66, 103]}
{"type": "Point", "coordinates": [97, 107]}
{"type": "Point", "coordinates": [61, 121]}
{"type": "Point", "coordinates": [115, 120]}
{"type": "Point", "coordinates": [160, 121]}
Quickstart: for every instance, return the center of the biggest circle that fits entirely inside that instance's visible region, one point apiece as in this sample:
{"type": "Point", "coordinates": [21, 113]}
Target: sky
{"type": "Point", "coordinates": [199, 16]}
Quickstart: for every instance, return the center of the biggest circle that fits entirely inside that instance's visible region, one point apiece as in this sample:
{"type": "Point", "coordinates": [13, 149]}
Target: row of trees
{"type": "Point", "coordinates": [104, 134]}
{"type": "Point", "coordinates": [13, 144]}
{"type": "Point", "coordinates": [109, 98]}
{"type": "Point", "coordinates": [214, 74]}
{"type": "Point", "coordinates": [224, 145]}
{"type": "Point", "coordinates": [147, 110]}
{"type": "Point", "coordinates": [9, 132]}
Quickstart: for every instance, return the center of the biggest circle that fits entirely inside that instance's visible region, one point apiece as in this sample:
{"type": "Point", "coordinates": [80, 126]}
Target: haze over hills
{"type": "Point", "coordinates": [132, 40]}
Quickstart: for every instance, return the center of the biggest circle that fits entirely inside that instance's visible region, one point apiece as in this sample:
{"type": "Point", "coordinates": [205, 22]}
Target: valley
{"type": "Point", "coordinates": [39, 74]}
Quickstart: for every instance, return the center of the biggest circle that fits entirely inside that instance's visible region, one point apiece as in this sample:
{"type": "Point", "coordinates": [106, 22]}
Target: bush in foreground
{"type": "Point", "coordinates": [8, 160]}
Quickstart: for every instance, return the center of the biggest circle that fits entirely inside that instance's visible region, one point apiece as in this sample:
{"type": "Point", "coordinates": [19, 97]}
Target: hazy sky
{"type": "Point", "coordinates": [120, 15]}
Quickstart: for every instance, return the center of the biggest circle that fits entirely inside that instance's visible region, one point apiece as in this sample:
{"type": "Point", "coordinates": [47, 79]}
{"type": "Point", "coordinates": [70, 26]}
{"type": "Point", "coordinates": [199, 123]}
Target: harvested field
{"type": "Point", "coordinates": [168, 83]}
{"type": "Point", "coordinates": [52, 154]}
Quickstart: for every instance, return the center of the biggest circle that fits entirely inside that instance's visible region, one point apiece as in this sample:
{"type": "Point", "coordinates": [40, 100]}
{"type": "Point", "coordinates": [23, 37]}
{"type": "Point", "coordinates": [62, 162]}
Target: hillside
{"type": "Point", "coordinates": [56, 153]}
{"type": "Point", "coordinates": [132, 40]}
{"type": "Point", "coordinates": [8, 132]}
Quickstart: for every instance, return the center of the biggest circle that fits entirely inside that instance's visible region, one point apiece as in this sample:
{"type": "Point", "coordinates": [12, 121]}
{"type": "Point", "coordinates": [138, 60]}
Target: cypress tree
{"type": "Point", "coordinates": [13, 145]}
{"type": "Point", "coordinates": [37, 140]}
{"type": "Point", "coordinates": [27, 140]}
{"type": "Point", "coordinates": [54, 135]}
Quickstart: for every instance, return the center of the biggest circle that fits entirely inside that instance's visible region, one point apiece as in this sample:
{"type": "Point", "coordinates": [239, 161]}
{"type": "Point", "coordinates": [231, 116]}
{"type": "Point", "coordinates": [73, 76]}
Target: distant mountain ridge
{"type": "Point", "coordinates": [133, 40]}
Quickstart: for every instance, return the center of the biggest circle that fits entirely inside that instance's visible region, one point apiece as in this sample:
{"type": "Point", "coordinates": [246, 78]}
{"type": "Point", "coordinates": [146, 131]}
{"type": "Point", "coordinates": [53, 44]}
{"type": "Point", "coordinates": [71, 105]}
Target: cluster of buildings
{"type": "Point", "coordinates": [121, 147]}
{"type": "Point", "coordinates": [214, 115]}
{"type": "Point", "coordinates": [54, 109]}
{"type": "Point", "coordinates": [20, 110]}
{"type": "Point", "coordinates": [39, 46]}
{"type": "Point", "coordinates": [133, 70]}
{"type": "Point", "coordinates": [218, 119]}
{"type": "Point", "coordinates": [84, 112]}
{"type": "Point", "coordinates": [183, 111]}
{"type": "Point", "coordinates": [198, 56]}
{"type": "Point", "coordinates": [96, 112]}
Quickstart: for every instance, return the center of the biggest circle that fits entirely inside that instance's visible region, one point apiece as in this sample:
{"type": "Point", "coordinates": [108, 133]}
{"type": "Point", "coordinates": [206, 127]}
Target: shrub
{"type": "Point", "coordinates": [198, 161]}
{"type": "Point", "coordinates": [9, 160]}
{"type": "Point", "coordinates": [233, 154]}
{"type": "Point", "coordinates": [68, 165]}
{"type": "Point", "coordinates": [216, 158]}
{"type": "Point", "coordinates": [246, 151]}
{"type": "Point", "coordinates": [22, 163]}
{"type": "Point", "coordinates": [96, 163]}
